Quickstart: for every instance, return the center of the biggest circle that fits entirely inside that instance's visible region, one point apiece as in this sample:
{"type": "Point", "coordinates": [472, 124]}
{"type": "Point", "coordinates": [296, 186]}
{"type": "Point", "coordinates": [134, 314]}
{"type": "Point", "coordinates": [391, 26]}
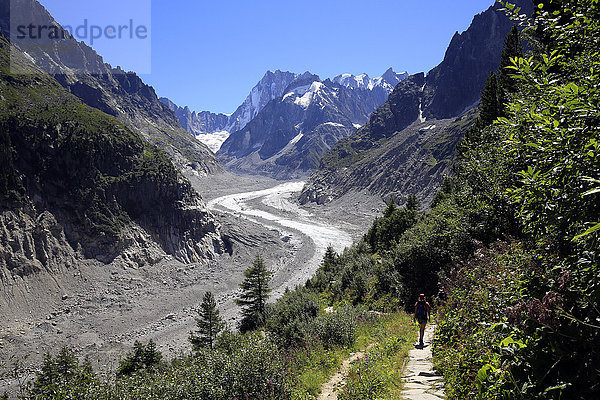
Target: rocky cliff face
{"type": "Point", "coordinates": [291, 133]}
{"type": "Point", "coordinates": [80, 70]}
{"type": "Point", "coordinates": [409, 142]}
{"type": "Point", "coordinates": [77, 184]}
{"type": "Point", "coordinates": [456, 83]}
{"type": "Point", "coordinates": [270, 87]}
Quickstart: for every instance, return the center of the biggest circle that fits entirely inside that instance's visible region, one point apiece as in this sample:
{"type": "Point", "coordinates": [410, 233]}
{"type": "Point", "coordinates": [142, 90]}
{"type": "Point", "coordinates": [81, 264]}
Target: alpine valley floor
{"type": "Point", "coordinates": [105, 308]}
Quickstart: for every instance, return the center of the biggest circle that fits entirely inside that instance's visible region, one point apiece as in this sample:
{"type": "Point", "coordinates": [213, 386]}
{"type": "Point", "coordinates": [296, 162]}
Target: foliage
{"type": "Point", "coordinates": [292, 316]}
{"type": "Point", "coordinates": [523, 321]}
{"type": "Point", "coordinates": [255, 292]}
{"type": "Point", "coordinates": [337, 328]}
{"type": "Point", "coordinates": [209, 324]}
{"type": "Point", "coordinates": [62, 377]}
{"type": "Point", "coordinates": [141, 358]}
{"type": "Point", "coordinates": [477, 295]}
{"type": "Point", "coordinates": [386, 231]}
{"type": "Point", "coordinates": [379, 373]}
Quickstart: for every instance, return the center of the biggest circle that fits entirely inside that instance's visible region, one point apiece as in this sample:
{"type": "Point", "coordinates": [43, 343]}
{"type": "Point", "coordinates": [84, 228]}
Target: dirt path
{"type": "Point", "coordinates": [331, 388]}
{"type": "Point", "coordinates": [420, 380]}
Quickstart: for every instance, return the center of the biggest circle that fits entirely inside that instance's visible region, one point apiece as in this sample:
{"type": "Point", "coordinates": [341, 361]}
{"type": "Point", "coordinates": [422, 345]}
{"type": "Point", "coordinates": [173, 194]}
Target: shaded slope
{"type": "Point", "coordinates": [76, 183]}
{"type": "Point", "coordinates": [80, 70]}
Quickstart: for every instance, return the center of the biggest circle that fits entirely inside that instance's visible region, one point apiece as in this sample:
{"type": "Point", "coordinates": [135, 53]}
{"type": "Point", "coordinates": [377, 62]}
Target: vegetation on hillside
{"type": "Point", "coordinates": [87, 168]}
{"type": "Point", "coordinates": [251, 365]}
{"type": "Point", "coordinates": [510, 244]}
{"type": "Point", "coordinates": [509, 249]}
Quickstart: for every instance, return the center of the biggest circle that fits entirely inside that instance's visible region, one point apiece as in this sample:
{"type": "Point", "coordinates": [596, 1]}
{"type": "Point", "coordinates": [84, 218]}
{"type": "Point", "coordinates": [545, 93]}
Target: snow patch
{"type": "Point", "coordinates": [214, 140]}
{"type": "Point", "coordinates": [297, 138]}
{"type": "Point", "coordinates": [307, 98]}
{"type": "Point", "coordinates": [300, 90]}
{"type": "Point", "coordinates": [333, 124]}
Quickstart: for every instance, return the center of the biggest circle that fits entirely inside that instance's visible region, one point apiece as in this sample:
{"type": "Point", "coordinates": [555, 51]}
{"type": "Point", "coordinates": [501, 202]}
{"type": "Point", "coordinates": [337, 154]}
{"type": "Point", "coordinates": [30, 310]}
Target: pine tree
{"type": "Point", "coordinates": [254, 297]}
{"type": "Point", "coordinates": [209, 324]}
{"type": "Point", "coordinates": [413, 203]}
{"type": "Point", "coordinates": [391, 208]}
{"type": "Point", "coordinates": [143, 357]}
{"type": "Point", "coordinates": [491, 106]}
{"type": "Point", "coordinates": [513, 47]}
{"type": "Point", "coordinates": [329, 259]}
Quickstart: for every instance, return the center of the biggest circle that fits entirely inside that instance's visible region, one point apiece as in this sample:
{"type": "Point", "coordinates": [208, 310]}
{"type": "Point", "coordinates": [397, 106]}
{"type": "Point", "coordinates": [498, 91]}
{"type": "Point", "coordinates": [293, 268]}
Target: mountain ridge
{"type": "Point", "coordinates": [431, 112]}
{"type": "Point", "coordinates": [290, 134]}
{"type": "Point", "coordinates": [83, 72]}
{"type": "Point", "coordinates": [214, 128]}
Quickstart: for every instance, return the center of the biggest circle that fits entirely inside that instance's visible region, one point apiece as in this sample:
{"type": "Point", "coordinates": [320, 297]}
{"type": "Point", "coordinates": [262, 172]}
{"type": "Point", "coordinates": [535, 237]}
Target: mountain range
{"type": "Point", "coordinates": [288, 137]}
{"type": "Point", "coordinates": [214, 129]}
{"type": "Point", "coordinates": [408, 145]}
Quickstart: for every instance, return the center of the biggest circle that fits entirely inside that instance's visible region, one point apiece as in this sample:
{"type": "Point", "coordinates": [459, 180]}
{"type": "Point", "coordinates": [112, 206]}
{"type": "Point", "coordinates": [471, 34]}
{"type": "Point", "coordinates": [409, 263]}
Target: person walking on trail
{"type": "Point", "coordinates": [422, 316]}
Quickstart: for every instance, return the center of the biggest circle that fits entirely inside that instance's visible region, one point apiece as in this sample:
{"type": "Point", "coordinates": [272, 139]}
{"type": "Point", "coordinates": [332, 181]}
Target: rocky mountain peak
{"type": "Point", "coordinates": [408, 145]}
{"type": "Point", "coordinates": [392, 77]}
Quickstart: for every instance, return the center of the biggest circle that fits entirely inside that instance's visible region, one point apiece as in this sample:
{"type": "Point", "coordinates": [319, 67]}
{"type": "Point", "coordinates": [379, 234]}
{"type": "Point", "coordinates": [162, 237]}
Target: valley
{"type": "Point", "coordinates": [100, 310]}
{"type": "Point", "coordinates": [149, 251]}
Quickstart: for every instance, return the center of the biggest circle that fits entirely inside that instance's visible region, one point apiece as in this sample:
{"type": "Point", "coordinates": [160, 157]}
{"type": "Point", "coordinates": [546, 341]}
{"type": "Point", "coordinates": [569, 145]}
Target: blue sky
{"type": "Point", "coordinates": [208, 55]}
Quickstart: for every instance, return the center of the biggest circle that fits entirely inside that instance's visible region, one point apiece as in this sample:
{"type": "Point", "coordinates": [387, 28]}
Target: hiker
{"type": "Point", "coordinates": [422, 315]}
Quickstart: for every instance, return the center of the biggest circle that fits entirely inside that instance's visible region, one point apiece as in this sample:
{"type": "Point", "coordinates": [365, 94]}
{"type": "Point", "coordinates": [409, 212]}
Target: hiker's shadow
{"type": "Point", "coordinates": [420, 346]}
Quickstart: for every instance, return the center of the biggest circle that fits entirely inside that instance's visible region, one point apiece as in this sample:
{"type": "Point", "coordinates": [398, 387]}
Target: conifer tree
{"type": "Point", "coordinates": [491, 106]}
{"type": "Point", "coordinates": [254, 297]}
{"type": "Point", "coordinates": [391, 208]}
{"type": "Point", "coordinates": [143, 357]}
{"type": "Point", "coordinates": [329, 258]}
{"type": "Point", "coordinates": [513, 47]}
{"type": "Point", "coordinates": [413, 203]}
{"type": "Point", "coordinates": [209, 324]}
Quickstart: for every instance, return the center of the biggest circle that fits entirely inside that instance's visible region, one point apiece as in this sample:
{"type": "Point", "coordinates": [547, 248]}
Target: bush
{"type": "Point", "coordinates": [337, 328]}
{"type": "Point", "coordinates": [142, 358]}
{"type": "Point", "coordinates": [292, 316]}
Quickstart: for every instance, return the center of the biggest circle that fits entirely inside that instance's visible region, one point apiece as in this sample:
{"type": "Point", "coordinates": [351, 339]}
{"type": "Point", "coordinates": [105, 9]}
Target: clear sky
{"type": "Point", "coordinates": [209, 54]}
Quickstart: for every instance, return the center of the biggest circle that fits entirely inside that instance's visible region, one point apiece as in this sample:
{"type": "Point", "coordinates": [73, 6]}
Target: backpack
{"type": "Point", "coordinates": [421, 311]}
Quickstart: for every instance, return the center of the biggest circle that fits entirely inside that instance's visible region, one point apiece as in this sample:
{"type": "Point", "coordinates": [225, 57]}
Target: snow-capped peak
{"type": "Point", "coordinates": [362, 82]}
{"type": "Point", "coordinates": [271, 86]}
{"type": "Point", "coordinates": [305, 99]}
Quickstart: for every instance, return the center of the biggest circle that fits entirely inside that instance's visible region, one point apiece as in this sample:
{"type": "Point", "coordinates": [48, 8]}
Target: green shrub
{"type": "Point", "coordinates": [338, 328]}
{"type": "Point", "coordinates": [143, 357]}
{"type": "Point", "coordinates": [292, 316]}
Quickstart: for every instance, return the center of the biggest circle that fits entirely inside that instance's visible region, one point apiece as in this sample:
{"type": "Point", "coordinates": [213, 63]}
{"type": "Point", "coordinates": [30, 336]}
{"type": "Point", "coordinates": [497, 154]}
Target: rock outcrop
{"type": "Point", "coordinates": [78, 184]}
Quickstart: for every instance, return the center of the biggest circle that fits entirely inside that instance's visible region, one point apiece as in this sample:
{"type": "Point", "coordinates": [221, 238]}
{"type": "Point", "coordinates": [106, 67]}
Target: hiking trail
{"type": "Point", "coordinates": [331, 388]}
{"type": "Point", "coordinates": [421, 382]}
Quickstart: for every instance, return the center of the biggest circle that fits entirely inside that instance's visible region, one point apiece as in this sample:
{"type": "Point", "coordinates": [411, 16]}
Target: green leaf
{"type": "Point", "coordinates": [510, 340]}
{"type": "Point", "coordinates": [589, 231]}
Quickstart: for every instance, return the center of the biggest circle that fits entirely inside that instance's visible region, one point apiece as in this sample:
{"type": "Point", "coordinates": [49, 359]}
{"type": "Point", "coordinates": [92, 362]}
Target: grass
{"type": "Point", "coordinates": [391, 336]}
{"type": "Point", "coordinates": [379, 373]}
